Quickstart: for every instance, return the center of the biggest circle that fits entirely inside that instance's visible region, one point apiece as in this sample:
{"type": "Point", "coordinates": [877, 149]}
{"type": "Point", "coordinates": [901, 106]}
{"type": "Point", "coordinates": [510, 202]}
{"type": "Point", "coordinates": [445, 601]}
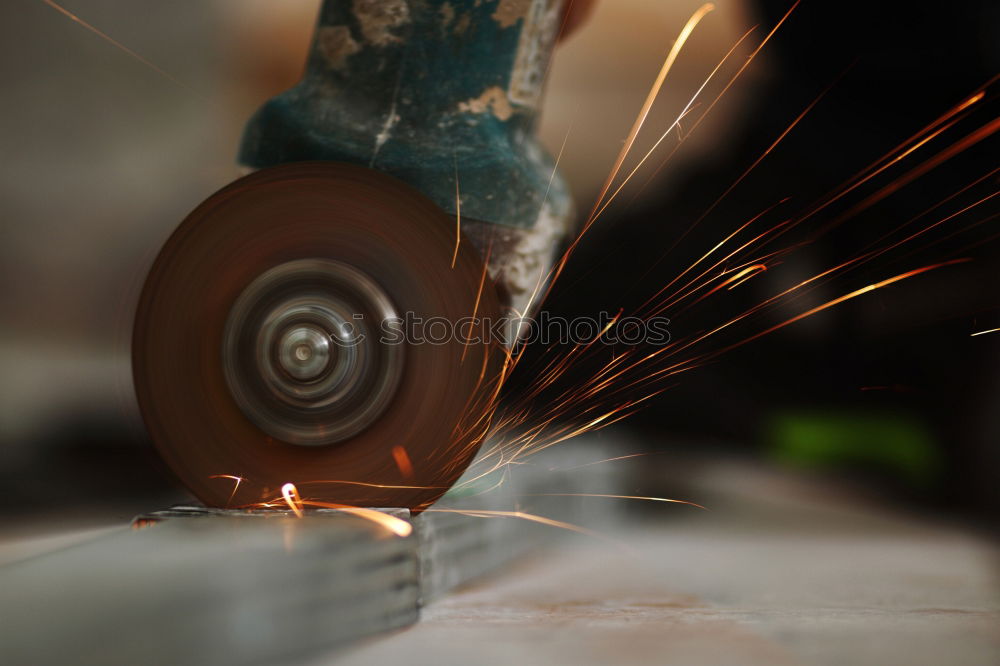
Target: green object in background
{"type": "Point", "coordinates": [889, 443]}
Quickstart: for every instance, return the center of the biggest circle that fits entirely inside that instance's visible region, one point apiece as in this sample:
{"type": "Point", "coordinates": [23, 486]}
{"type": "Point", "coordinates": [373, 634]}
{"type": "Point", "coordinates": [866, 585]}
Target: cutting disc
{"type": "Point", "coordinates": [299, 327]}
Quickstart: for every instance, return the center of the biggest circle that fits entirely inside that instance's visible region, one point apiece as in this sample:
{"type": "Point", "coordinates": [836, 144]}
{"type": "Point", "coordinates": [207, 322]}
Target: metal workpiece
{"type": "Point", "coordinates": [471, 533]}
{"type": "Point", "coordinates": [199, 585]}
{"type": "Point", "coordinates": [429, 91]}
{"type": "Point", "coordinates": [212, 590]}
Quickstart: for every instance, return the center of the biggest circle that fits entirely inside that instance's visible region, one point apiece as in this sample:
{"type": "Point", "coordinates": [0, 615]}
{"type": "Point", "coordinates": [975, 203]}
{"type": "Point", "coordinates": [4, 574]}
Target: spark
{"type": "Point", "coordinates": [620, 387]}
{"type": "Point", "coordinates": [938, 205]}
{"type": "Point", "coordinates": [403, 461]}
{"type": "Point", "coordinates": [654, 92]}
{"type": "Point", "coordinates": [756, 163]}
{"type": "Point", "coordinates": [967, 142]}
{"type": "Point", "coordinates": [745, 275]}
{"type": "Point", "coordinates": [291, 495]}
{"type": "Point", "coordinates": [236, 486]}
{"type": "Point", "coordinates": [631, 497]}
{"type": "Point", "coordinates": [675, 125]}
{"type": "Point", "coordinates": [722, 94]}
{"type": "Point", "coordinates": [847, 297]}
{"type": "Point", "coordinates": [371, 485]}
{"type": "Point", "coordinates": [296, 503]}
{"type": "Point", "coordinates": [73, 17]}
{"type": "Point", "coordinates": [479, 293]}
{"type": "Point", "coordinates": [558, 160]}
{"type": "Point", "coordinates": [991, 330]}
{"type": "Point", "coordinates": [705, 256]}
{"type": "Point", "coordinates": [458, 214]}
{"type": "Point", "coordinates": [543, 276]}
{"type": "Point", "coordinates": [598, 462]}
{"type": "Point", "coordinates": [921, 138]}
{"type": "Point", "coordinates": [923, 231]}
{"type": "Point", "coordinates": [531, 517]}
{"type": "Point", "coordinates": [397, 526]}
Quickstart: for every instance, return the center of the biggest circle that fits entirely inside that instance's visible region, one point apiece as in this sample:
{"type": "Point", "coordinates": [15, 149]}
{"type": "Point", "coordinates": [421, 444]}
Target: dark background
{"type": "Point", "coordinates": [899, 362]}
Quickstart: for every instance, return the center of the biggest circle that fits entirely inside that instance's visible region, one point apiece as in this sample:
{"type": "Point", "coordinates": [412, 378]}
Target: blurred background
{"type": "Point", "coordinates": [104, 154]}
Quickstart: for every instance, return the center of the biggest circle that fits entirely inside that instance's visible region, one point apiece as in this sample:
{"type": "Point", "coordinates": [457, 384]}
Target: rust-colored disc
{"type": "Point", "coordinates": [202, 317]}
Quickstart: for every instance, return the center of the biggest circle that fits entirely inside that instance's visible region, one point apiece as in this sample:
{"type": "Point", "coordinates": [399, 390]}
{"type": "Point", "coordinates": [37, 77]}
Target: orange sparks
{"type": "Point", "coordinates": [968, 141]}
{"type": "Point", "coordinates": [845, 297]}
{"type": "Point", "coordinates": [402, 459]}
{"type": "Point", "coordinates": [542, 520]}
{"type": "Point", "coordinates": [522, 429]}
{"type": "Point", "coordinates": [479, 297]}
{"type": "Point", "coordinates": [368, 485]}
{"type": "Point", "coordinates": [291, 495]}
{"type": "Point", "coordinates": [725, 89]}
{"type": "Point", "coordinates": [654, 92]}
{"type": "Point", "coordinates": [631, 497]}
{"type": "Point", "coordinates": [397, 526]}
{"type": "Point", "coordinates": [745, 275]}
{"type": "Point", "coordinates": [76, 19]}
{"type": "Point", "coordinates": [674, 125]}
{"type": "Point", "coordinates": [756, 163]}
{"type": "Point", "coordinates": [236, 486]}
{"type": "Point", "coordinates": [990, 330]}
{"type": "Point", "coordinates": [894, 156]}
{"type": "Point", "coordinates": [599, 462]}
{"type": "Point", "coordinates": [458, 215]}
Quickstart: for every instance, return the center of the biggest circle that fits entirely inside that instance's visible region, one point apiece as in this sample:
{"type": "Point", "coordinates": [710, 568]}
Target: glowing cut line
{"type": "Point", "coordinates": [397, 526]}
{"type": "Point", "coordinates": [291, 495]}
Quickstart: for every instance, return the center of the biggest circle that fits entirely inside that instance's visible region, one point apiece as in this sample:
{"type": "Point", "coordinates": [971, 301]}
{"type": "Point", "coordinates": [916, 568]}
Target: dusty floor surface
{"type": "Point", "coordinates": [790, 575]}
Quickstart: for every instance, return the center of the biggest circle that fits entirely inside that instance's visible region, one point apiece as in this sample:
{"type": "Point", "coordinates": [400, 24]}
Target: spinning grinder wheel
{"type": "Point", "coordinates": [264, 349]}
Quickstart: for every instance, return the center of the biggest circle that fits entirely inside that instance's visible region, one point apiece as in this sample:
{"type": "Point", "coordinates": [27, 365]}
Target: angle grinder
{"type": "Point", "coordinates": [399, 181]}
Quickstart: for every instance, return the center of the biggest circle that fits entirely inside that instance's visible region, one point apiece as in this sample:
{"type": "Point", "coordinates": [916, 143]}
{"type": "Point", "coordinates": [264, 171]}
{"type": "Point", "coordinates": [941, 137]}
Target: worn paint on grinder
{"type": "Point", "coordinates": [422, 90]}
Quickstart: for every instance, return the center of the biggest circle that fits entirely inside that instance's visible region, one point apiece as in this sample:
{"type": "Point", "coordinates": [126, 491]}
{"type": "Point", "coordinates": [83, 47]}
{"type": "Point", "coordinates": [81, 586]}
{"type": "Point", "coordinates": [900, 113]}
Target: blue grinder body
{"type": "Point", "coordinates": [428, 91]}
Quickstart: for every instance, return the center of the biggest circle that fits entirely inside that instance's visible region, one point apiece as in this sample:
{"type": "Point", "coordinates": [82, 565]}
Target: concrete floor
{"type": "Point", "coordinates": [779, 572]}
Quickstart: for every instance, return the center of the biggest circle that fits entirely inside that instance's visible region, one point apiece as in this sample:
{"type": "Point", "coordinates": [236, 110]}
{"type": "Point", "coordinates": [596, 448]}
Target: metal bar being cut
{"type": "Point", "coordinates": [216, 586]}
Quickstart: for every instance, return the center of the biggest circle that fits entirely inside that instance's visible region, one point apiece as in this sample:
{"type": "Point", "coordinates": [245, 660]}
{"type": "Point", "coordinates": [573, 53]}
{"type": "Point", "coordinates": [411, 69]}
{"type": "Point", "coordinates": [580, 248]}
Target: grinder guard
{"type": "Point", "coordinates": [429, 91]}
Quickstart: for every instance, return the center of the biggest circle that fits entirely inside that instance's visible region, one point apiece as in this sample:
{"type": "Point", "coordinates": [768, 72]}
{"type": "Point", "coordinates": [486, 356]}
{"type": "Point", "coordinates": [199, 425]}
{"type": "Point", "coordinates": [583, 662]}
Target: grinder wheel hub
{"type": "Point", "coordinates": [304, 352]}
{"type": "Point", "coordinates": [302, 355]}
